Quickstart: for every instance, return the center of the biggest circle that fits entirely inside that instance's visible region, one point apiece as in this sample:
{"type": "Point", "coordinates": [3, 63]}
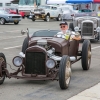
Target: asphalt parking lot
{"type": "Point", "coordinates": [13, 89]}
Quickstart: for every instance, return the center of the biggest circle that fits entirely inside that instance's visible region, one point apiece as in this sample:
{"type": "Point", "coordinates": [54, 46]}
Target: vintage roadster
{"type": "Point", "coordinates": [46, 57]}
{"type": "Point", "coordinates": [88, 26]}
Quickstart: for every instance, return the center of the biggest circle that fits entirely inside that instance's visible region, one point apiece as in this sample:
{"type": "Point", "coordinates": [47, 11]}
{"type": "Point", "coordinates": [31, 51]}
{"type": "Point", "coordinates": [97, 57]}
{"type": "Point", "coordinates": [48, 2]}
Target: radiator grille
{"type": "Point", "coordinates": [87, 29]}
{"type": "Point", "coordinates": [35, 63]}
{"type": "Point", "coordinates": [15, 16]}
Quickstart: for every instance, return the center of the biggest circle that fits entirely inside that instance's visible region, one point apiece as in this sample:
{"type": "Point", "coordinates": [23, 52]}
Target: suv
{"type": "Point", "coordinates": [88, 26]}
{"type": "Point", "coordinates": [46, 12]}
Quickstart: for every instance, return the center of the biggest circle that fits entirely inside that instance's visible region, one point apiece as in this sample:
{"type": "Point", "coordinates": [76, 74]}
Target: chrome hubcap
{"type": "Point", "coordinates": [59, 18]}
{"type": "Point", "coordinates": [48, 19]}
{"type": "Point", "coordinates": [2, 21]}
{"type": "Point", "coordinates": [68, 73]}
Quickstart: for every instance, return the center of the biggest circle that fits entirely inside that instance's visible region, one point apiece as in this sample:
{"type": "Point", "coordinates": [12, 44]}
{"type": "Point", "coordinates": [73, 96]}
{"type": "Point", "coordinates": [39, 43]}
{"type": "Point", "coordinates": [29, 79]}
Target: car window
{"type": "Point", "coordinates": [54, 8]}
{"type": "Point", "coordinates": [45, 7]}
{"type": "Point", "coordinates": [3, 12]}
{"type": "Point", "coordinates": [45, 33]}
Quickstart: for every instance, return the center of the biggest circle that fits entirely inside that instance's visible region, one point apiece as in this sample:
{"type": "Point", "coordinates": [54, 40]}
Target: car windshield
{"type": "Point", "coordinates": [85, 10]}
{"type": "Point", "coordinates": [45, 7]}
{"type": "Point", "coordinates": [3, 12]}
{"type": "Point", "coordinates": [29, 2]}
{"type": "Point", "coordinates": [45, 33]}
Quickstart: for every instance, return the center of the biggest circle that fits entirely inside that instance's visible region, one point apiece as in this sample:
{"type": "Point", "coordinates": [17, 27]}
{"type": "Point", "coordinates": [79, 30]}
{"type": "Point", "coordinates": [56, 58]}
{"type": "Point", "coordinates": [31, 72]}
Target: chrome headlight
{"type": "Point", "coordinates": [17, 61]}
{"type": "Point", "coordinates": [76, 29]}
{"type": "Point", "coordinates": [98, 29]}
{"type": "Point", "coordinates": [50, 63]}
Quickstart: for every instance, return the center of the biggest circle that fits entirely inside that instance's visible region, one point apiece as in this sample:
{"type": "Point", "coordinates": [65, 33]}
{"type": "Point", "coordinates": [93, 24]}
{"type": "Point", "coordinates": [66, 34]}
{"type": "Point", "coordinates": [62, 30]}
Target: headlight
{"type": "Point", "coordinates": [98, 29]}
{"type": "Point", "coordinates": [17, 61]}
{"type": "Point", "coordinates": [50, 63]}
{"type": "Point", "coordinates": [9, 16]}
{"type": "Point", "coordinates": [76, 29]}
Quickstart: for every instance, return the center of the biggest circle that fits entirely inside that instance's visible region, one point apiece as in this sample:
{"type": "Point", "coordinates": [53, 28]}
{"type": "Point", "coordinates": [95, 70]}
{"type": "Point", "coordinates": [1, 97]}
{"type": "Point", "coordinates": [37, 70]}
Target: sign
{"type": "Point", "coordinates": [56, 1]}
{"type": "Point", "coordinates": [79, 1]}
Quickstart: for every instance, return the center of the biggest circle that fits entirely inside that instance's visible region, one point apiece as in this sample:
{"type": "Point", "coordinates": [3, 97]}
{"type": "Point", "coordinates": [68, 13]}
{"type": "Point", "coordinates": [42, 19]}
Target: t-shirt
{"type": "Point", "coordinates": [66, 35]}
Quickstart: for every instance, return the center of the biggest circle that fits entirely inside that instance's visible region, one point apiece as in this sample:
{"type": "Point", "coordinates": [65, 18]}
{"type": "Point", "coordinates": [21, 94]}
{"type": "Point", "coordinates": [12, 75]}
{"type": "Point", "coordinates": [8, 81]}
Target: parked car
{"type": "Point", "coordinates": [5, 17]}
{"type": "Point", "coordinates": [46, 12]}
{"type": "Point", "coordinates": [67, 12]}
{"type": "Point", "coordinates": [46, 57]}
{"type": "Point", "coordinates": [88, 26]}
{"type": "Point", "coordinates": [15, 11]}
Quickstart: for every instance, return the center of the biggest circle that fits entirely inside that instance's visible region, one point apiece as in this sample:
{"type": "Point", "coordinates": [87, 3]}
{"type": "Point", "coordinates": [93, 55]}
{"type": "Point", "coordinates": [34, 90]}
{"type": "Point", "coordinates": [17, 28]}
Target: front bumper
{"type": "Point", "coordinates": [37, 16]}
{"type": "Point", "coordinates": [13, 20]}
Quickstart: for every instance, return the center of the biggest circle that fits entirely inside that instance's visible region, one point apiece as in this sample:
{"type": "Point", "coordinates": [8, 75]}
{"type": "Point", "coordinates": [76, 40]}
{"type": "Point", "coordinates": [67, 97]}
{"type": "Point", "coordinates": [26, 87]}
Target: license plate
{"type": "Point", "coordinates": [37, 16]}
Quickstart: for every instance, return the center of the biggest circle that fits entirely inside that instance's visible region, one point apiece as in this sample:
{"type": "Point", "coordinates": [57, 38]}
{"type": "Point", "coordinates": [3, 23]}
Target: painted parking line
{"type": "Point", "coordinates": [13, 37]}
{"type": "Point", "coordinates": [95, 47]}
{"type": "Point", "coordinates": [12, 47]}
{"type": "Point", "coordinates": [10, 31]}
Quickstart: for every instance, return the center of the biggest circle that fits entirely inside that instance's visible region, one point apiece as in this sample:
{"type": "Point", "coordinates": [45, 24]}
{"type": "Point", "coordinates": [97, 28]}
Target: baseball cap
{"type": "Point", "coordinates": [63, 23]}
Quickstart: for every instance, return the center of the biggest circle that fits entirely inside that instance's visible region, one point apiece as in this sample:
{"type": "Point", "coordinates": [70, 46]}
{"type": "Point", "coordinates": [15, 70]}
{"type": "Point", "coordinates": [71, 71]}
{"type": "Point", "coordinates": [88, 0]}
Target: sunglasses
{"type": "Point", "coordinates": [62, 26]}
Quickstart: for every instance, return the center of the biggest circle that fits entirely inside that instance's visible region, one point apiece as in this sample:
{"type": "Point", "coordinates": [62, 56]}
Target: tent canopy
{"type": "Point", "coordinates": [79, 1]}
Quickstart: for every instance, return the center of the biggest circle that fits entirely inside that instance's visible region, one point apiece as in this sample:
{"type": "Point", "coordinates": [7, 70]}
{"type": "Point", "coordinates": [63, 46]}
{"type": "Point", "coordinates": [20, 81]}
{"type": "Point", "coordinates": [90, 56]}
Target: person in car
{"type": "Point", "coordinates": [66, 33]}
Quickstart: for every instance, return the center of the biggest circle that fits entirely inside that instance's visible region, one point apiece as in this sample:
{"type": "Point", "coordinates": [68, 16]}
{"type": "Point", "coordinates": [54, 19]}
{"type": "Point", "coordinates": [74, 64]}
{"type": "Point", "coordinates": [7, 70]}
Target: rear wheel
{"type": "Point", "coordinates": [59, 18]}
{"type": "Point", "coordinates": [2, 21]}
{"type": "Point", "coordinates": [64, 72]}
{"type": "Point", "coordinates": [2, 66]}
{"type": "Point", "coordinates": [25, 45]}
{"type": "Point", "coordinates": [86, 55]}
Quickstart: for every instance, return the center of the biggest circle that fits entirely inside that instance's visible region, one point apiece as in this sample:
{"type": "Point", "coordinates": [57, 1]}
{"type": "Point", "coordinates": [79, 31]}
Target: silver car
{"type": "Point", "coordinates": [68, 11]}
{"type": "Point", "coordinates": [88, 26]}
{"type": "Point", "coordinates": [5, 17]}
{"type": "Point", "coordinates": [85, 12]}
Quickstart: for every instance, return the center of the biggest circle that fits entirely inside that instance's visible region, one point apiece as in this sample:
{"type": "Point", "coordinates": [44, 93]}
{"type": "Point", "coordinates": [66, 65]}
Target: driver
{"type": "Point", "coordinates": [65, 33]}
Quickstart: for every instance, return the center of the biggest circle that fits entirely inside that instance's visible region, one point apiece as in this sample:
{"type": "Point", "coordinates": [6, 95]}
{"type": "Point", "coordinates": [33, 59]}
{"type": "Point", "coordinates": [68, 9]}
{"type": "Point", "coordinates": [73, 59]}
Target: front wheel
{"type": "Point", "coordinates": [16, 23]}
{"type": "Point", "coordinates": [33, 18]}
{"type": "Point", "coordinates": [25, 45]}
{"type": "Point", "coordinates": [2, 21]}
{"type": "Point", "coordinates": [64, 72]}
{"type": "Point", "coordinates": [86, 55]}
{"type": "Point", "coordinates": [2, 66]}
{"type": "Point", "coordinates": [47, 18]}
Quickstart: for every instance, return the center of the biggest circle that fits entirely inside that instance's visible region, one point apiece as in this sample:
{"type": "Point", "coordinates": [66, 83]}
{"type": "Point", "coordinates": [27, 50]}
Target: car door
{"type": "Point", "coordinates": [54, 12]}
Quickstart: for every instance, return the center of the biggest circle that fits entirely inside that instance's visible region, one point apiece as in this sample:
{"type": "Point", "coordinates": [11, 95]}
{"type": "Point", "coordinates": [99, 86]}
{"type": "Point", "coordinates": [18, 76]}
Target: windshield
{"type": "Point", "coordinates": [29, 2]}
{"type": "Point", "coordinates": [44, 7]}
{"type": "Point", "coordinates": [45, 33]}
{"type": "Point", "coordinates": [85, 10]}
{"type": "Point", "coordinates": [3, 12]}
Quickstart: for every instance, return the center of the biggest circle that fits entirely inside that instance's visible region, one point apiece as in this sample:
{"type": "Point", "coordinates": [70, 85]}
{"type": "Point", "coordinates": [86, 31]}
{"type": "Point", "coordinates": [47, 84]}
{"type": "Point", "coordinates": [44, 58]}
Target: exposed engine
{"type": "Point", "coordinates": [50, 50]}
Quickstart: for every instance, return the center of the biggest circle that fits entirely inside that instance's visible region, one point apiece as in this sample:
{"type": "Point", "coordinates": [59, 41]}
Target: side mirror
{"type": "Point", "coordinates": [23, 32]}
